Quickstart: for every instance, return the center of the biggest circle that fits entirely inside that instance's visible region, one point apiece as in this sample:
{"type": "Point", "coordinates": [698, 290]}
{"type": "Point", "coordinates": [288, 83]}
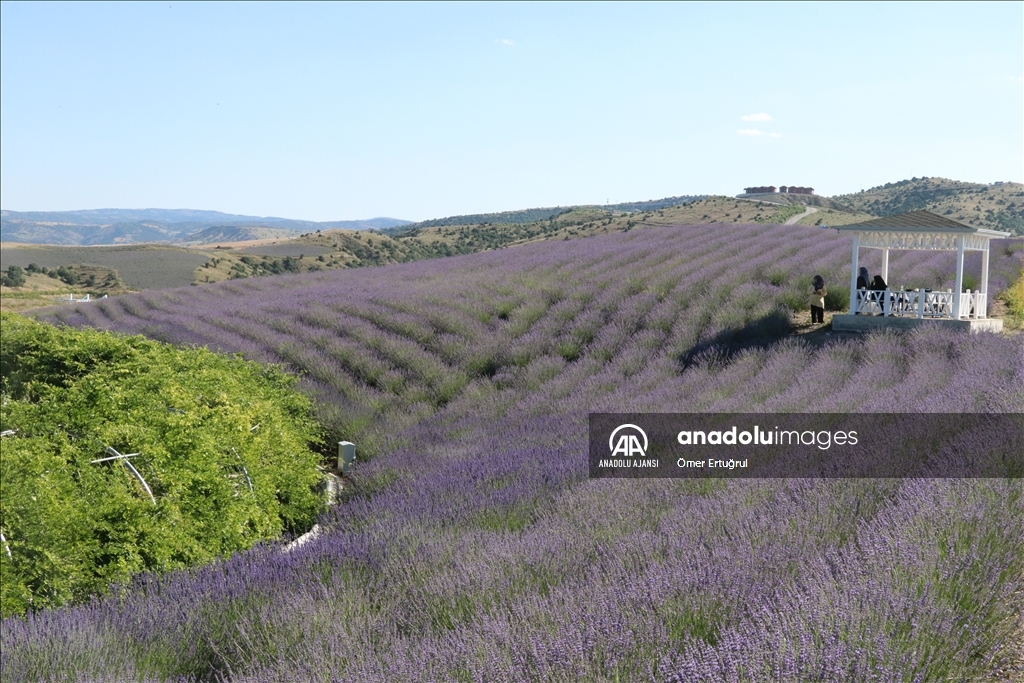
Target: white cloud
{"type": "Point", "coordinates": [505, 41]}
{"type": "Point", "coordinates": [749, 131]}
{"type": "Point", "coordinates": [756, 117]}
{"type": "Point", "coordinates": [775, 135]}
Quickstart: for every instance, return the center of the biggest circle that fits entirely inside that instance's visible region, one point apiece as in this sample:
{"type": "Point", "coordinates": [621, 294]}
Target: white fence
{"type": "Point", "coordinates": [919, 304]}
{"type": "Point", "coordinates": [70, 299]}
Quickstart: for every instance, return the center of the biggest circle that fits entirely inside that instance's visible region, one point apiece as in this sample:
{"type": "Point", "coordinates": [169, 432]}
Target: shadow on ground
{"type": "Point", "coordinates": [761, 334]}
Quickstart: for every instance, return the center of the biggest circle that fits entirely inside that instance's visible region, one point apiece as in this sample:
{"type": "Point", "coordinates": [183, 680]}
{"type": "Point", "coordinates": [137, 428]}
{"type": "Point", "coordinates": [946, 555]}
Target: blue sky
{"type": "Point", "coordinates": [330, 112]}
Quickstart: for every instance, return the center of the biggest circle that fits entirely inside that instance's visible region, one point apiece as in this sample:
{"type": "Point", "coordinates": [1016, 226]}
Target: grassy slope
{"type": "Point", "coordinates": [997, 207]}
{"type": "Point", "coordinates": [833, 218]}
{"type": "Point", "coordinates": [237, 233]}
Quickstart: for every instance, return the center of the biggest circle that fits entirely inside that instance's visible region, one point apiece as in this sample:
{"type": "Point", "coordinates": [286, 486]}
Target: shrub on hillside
{"type": "Point", "coordinates": [67, 276]}
{"type": "Point", "coordinates": [222, 444]}
{"type": "Point", "coordinates": [15, 277]}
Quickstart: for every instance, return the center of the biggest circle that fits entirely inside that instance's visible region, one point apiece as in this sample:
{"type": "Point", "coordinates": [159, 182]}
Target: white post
{"type": "Point", "coordinates": [885, 265]}
{"type": "Point", "coordinates": [853, 274]}
{"type": "Point", "coordinates": [959, 276]}
{"type": "Point", "coordinates": [983, 304]}
{"type": "Point", "coordinates": [346, 456]}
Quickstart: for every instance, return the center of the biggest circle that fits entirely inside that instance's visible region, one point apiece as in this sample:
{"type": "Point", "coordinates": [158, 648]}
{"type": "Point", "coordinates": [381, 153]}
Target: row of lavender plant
{"type": "Point", "coordinates": [474, 548]}
{"type": "Point", "coordinates": [408, 342]}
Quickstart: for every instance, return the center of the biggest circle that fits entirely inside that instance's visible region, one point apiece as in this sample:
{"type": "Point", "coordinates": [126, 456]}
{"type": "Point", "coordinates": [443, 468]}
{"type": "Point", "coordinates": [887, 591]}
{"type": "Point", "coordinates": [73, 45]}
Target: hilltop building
{"type": "Point", "coordinates": [785, 189]}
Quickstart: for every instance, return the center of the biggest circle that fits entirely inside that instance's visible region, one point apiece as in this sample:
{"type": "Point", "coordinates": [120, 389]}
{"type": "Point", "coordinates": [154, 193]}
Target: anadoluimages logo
{"type": "Point", "coordinates": [628, 443]}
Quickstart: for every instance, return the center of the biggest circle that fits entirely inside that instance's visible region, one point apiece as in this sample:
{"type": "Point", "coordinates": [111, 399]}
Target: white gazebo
{"type": "Point", "coordinates": [891, 307]}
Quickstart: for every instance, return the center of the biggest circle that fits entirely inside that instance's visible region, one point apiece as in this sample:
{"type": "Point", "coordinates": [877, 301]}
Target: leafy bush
{"type": "Point", "coordinates": [222, 443]}
{"type": "Point", "coordinates": [1014, 298]}
{"type": "Point", "coordinates": [837, 299]}
{"type": "Point", "coordinates": [15, 277]}
{"type": "Point", "coordinates": [67, 276]}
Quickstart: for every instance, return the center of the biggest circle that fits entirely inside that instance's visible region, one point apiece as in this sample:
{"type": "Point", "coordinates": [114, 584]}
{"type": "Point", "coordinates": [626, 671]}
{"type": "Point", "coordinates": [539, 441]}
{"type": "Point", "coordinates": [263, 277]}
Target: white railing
{"type": "Point", "coordinates": [919, 304]}
{"type": "Point", "coordinates": [70, 299]}
{"type": "Point", "coordinates": [973, 305]}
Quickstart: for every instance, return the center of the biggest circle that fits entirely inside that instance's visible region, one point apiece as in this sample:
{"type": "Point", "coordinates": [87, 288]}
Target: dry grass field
{"type": "Point", "coordinates": [140, 266]}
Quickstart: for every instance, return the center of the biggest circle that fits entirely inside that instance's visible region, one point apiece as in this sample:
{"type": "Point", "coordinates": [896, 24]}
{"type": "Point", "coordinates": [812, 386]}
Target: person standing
{"type": "Point", "coordinates": [817, 300]}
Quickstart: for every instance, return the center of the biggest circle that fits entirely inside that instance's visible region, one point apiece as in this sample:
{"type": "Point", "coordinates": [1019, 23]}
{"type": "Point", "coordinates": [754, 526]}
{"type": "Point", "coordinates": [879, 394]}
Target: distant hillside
{"type": "Point", "coordinates": [217, 234]}
{"type": "Point", "coordinates": [587, 221]}
{"type": "Point", "coordinates": [524, 216]}
{"type": "Point", "coordinates": [109, 216]}
{"type": "Point", "coordinates": [510, 217]}
{"type": "Point", "coordinates": [135, 226]}
{"type": "Point", "coordinates": [367, 224]}
{"type": "Point", "coordinates": [997, 206]}
{"type": "Point", "coordinates": [157, 267]}
{"type": "Point", "coordinates": [283, 251]}
{"type": "Point", "coordinates": [78, 234]}
{"type": "Point", "coordinates": [805, 199]}
{"type": "Point", "coordinates": [652, 204]}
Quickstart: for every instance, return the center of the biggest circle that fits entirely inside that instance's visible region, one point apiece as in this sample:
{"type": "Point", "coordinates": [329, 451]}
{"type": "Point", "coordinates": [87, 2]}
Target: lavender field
{"type": "Point", "coordinates": [471, 546]}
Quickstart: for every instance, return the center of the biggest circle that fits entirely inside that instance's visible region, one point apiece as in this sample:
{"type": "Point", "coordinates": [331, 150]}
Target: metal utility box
{"type": "Point", "coordinates": [346, 456]}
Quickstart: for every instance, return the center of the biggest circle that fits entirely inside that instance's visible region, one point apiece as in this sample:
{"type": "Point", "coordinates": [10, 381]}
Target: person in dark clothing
{"type": "Point", "coordinates": [863, 279]}
{"type": "Point", "coordinates": [817, 300]}
{"type": "Point", "coordinates": [878, 285]}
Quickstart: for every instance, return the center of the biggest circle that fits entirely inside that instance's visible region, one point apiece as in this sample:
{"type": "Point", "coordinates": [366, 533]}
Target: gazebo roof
{"type": "Point", "coordinates": [920, 221]}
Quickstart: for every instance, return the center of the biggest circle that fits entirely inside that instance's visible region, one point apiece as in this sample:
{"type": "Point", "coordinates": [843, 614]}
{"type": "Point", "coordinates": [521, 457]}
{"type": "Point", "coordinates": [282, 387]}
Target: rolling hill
{"type": "Point", "coordinates": [134, 226]}
{"type": "Point", "coordinates": [535, 215]}
{"type": "Point", "coordinates": [997, 206]}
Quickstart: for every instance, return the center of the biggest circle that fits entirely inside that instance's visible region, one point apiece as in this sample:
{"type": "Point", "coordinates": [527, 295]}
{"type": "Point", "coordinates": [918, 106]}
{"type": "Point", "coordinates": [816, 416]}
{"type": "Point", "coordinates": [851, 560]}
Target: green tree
{"type": "Point", "coordinates": [15, 277]}
{"type": "Point", "coordinates": [67, 276]}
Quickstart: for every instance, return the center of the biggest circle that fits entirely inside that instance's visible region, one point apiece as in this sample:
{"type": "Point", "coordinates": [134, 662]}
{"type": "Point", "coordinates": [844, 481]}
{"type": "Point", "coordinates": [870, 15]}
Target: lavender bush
{"type": "Point", "coordinates": [472, 547]}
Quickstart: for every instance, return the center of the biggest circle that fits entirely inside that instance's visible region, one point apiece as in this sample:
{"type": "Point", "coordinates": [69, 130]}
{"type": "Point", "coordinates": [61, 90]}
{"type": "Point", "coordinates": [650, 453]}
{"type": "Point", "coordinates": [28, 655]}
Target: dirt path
{"type": "Point", "coordinates": [808, 212]}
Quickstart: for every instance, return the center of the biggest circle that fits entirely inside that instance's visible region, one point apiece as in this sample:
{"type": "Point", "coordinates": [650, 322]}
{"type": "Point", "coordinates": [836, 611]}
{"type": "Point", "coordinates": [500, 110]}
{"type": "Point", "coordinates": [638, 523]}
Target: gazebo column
{"type": "Point", "coordinates": [885, 279]}
{"type": "Point", "coordinates": [959, 276]}
{"type": "Point", "coordinates": [983, 309]}
{"type": "Point", "coordinates": [853, 274]}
